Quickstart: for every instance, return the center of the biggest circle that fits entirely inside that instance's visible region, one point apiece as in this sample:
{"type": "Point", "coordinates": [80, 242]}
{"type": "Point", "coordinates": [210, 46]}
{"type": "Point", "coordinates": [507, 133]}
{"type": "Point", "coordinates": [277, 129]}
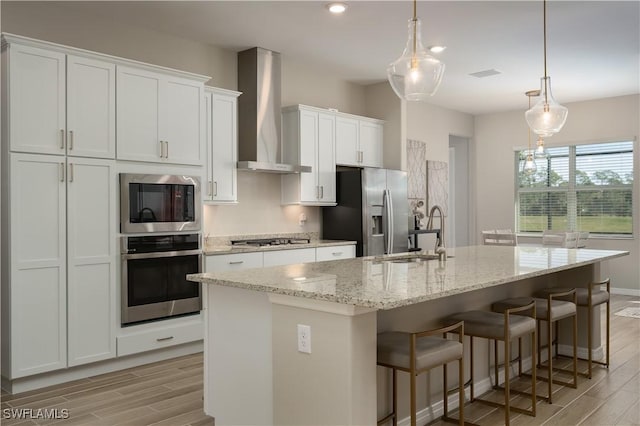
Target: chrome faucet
{"type": "Point", "coordinates": [440, 250]}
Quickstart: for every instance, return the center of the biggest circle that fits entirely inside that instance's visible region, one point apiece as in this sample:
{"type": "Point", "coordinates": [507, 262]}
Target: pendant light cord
{"type": "Point", "coordinates": [415, 19]}
{"type": "Point", "coordinates": [544, 20]}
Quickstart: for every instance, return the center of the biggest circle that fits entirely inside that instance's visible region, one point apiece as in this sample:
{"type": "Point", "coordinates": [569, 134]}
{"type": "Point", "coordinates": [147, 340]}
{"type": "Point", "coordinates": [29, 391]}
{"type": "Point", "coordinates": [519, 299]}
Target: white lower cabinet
{"type": "Point", "coordinates": [289, 257]}
{"type": "Point", "coordinates": [159, 335]}
{"type": "Point", "coordinates": [335, 253]}
{"type": "Point", "coordinates": [58, 293]}
{"type": "Point", "coordinates": [233, 262]}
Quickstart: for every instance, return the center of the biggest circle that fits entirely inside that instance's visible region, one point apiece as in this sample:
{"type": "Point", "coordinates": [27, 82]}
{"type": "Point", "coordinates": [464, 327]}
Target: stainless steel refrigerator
{"type": "Point", "coordinates": [372, 210]}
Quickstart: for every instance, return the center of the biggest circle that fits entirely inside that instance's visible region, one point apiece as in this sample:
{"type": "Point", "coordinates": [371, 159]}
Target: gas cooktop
{"type": "Point", "coordinates": [270, 242]}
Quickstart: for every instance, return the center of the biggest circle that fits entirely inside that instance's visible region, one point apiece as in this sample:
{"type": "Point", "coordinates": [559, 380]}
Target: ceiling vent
{"type": "Point", "coordinates": [485, 73]}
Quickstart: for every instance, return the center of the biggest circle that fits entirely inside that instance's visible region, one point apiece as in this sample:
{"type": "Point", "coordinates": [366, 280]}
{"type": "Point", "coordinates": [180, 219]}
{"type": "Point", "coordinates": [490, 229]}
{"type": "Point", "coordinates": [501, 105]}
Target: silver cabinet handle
{"type": "Point", "coordinates": [321, 192]}
{"type": "Point", "coordinates": [162, 339]}
{"type": "Point", "coordinates": [61, 172]}
{"type": "Point", "coordinates": [61, 138]}
{"type": "Point", "coordinates": [337, 253]}
{"type": "Point", "coordinates": [161, 149]}
{"type": "Point", "coordinates": [70, 172]}
{"type": "Point", "coordinates": [237, 262]}
{"type": "Point", "coordinates": [70, 140]}
{"type": "Point", "coordinates": [215, 188]}
{"type": "Point", "coordinates": [210, 189]}
{"type": "Point", "coordinates": [166, 153]}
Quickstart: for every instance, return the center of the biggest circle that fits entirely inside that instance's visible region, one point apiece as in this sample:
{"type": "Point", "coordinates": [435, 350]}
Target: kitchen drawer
{"type": "Point", "coordinates": [289, 257]}
{"type": "Point", "coordinates": [158, 338]}
{"type": "Point", "coordinates": [335, 252]}
{"type": "Point", "coordinates": [233, 262]}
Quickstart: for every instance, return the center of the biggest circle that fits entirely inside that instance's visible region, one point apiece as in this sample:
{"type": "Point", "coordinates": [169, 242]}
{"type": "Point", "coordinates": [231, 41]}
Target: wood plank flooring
{"type": "Point", "coordinates": [169, 393]}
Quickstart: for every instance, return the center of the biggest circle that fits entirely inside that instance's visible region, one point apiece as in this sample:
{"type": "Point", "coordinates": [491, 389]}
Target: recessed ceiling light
{"type": "Point", "coordinates": [436, 49]}
{"type": "Point", "coordinates": [337, 8]}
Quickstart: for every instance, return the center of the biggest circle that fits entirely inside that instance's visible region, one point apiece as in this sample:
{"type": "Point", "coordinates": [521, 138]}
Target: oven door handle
{"type": "Point", "coordinates": [155, 255]}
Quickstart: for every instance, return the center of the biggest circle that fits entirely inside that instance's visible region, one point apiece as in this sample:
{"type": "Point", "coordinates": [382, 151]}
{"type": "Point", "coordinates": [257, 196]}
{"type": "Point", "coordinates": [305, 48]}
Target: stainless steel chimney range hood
{"type": "Point", "coordinates": [259, 118]}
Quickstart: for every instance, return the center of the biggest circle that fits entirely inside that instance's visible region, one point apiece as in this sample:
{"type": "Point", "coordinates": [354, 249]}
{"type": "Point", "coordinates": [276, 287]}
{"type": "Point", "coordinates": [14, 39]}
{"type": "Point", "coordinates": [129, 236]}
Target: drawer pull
{"type": "Point", "coordinates": [237, 262]}
{"type": "Point", "coordinates": [337, 253]}
{"type": "Point", "coordinates": [163, 339]}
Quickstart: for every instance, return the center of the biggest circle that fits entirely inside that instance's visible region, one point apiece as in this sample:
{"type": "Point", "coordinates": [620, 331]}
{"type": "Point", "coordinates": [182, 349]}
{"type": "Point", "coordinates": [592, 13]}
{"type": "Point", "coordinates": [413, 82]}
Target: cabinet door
{"type": "Point", "coordinates": [183, 121]}
{"type": "Point", "coordinates": [91, 108]}
{"type": "Point", "coordinates": [233, 262]}
{"type": "Point", "coordinates": [309, 189]}
{"type": "Point", "coordinates": [224, 148]}
{"type": "Point", "coordinates": [326, 158]}
{"type": "Point", "coordinates": [289, 257]}
{"type": "Point", "coordinates": [38, 264]}
{"type": "Point", "coordinates": [91, 260]}
{"type": "Point", "coordinates": [36, 93]}
{"type": "Point", "coordinates": [138, 115]}
{"type": "Point", "coordinates": [347, 141]}
{"type": "Point", "coordinates": [371, 135]}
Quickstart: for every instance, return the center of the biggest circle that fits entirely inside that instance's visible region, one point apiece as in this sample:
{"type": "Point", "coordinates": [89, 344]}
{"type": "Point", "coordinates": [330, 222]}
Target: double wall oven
{"type": "Point", "coordinates": [162, 212]}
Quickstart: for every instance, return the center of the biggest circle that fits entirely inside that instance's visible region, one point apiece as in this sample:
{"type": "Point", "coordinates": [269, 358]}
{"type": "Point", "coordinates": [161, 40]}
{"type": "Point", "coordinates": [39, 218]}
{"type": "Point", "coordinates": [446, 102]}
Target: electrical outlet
{"type": "Point", "coordinates": [304, 338]}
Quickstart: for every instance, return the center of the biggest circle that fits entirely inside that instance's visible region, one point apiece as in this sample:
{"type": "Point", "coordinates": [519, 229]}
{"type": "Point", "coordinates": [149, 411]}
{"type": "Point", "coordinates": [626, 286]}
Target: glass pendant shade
{"type": "Point", "coordinates": [529, 166]}
{"type": "Point", "coordinates": [416, 75]}
{"type": "Point", "coordinates": [547, 116]}
{"type": "Point", "coordinates": [541, 151]}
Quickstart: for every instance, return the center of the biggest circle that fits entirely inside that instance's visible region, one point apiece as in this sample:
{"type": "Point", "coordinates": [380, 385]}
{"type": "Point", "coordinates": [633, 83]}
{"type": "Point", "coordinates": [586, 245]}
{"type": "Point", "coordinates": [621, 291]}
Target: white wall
{"type": "Point", "coordinates": [382, 103]}
{"type": "Point", "coordinates": [496, 135]}
{"type": "Point", "coordinates": [259, 209]}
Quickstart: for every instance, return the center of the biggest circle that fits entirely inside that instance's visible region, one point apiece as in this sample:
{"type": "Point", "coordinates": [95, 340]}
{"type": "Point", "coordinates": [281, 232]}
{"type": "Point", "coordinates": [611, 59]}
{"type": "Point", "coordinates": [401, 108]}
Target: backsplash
{"type": "Point", "coordinates": [225, 240]}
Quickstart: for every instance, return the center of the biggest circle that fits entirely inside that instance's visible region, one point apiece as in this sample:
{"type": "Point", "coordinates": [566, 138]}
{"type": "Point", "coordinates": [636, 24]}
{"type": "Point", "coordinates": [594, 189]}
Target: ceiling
{"type": "Point", "coordinates": [593, 46]}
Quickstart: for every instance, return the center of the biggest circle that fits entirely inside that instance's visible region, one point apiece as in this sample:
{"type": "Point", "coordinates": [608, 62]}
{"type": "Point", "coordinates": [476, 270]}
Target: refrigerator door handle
{"type": "Point", "coordinates": [385, 220]}
{"type": "Point", "coordinates": [390, 221]}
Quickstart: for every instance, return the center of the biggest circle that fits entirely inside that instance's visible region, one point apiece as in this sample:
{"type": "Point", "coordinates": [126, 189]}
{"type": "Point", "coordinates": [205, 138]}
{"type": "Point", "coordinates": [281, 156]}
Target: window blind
{"type": "Point", "coordinates": [578, 188]}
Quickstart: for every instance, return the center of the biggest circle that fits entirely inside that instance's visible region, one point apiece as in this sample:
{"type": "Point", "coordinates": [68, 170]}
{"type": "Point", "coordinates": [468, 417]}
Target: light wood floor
{"type": "Point", "coordinates": [169, 393]}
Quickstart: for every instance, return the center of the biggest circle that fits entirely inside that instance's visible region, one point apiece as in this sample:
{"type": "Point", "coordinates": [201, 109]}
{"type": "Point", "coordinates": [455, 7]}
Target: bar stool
{"type": "Point", "coordinates": [504, 327]}
{"type": "Point", "coordinates": [416, 353]}
{"type": "Point", "coordinates": [551, 311]}
{"type": "Point", "coordinates": [589, 298]}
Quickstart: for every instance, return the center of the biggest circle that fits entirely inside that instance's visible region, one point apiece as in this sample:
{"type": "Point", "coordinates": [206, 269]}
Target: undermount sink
{"type": "Point", "coordinates": [407, 258]}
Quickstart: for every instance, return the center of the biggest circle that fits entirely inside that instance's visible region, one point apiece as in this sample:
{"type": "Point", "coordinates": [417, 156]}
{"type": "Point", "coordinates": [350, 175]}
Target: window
{"type": "Point", "coordinates": [578, 188]}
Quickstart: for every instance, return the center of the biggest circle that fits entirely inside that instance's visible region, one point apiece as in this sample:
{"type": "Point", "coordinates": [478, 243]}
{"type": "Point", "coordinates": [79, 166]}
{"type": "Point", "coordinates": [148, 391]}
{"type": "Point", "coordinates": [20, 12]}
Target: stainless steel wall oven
{"type": "Point", "coordinates": [159, 203]}
{"type": "Point", "coordinates": [154, 284]}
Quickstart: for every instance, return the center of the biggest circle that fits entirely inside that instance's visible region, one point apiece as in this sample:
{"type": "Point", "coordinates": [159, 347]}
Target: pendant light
{"type": "Point", "coordinates": [547, 116]}
{"type": "Point", "coordinates": [541, 151]}
{"type": "Point", "coordinates": [529, 167]}
{"type": "Point", "coordinates": [416, 75]}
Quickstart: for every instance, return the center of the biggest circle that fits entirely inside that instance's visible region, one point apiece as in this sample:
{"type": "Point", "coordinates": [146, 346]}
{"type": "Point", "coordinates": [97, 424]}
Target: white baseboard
{"type": "Point", "coordinates": [80, 372]}
{"type": "Point", "coordinates": [625, 291]}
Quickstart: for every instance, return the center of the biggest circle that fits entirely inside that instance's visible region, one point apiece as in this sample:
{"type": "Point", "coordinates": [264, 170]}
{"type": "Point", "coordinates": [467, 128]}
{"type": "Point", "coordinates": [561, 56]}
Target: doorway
{"type": "Point", "coordinates": [458, 232]}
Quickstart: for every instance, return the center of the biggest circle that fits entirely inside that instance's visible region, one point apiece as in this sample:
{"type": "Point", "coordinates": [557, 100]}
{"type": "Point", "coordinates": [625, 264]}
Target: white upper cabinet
{"type": "Point", "coordinates": [72, 100]}
{"type": "Point", "coordinates": [371, 135]}
{"type": "Point", "coordinates": [34, 87]}
{"type": "Point", "coordinates": [91, 108]}
{"type": "Point", "coordinates": [359, 141]}
{"type": "Point", "coordinates": [309, 140]}
{"type": "Point", "coordinates": [222, 146]}
{"type": "Point", "coordinates": [160, 117]}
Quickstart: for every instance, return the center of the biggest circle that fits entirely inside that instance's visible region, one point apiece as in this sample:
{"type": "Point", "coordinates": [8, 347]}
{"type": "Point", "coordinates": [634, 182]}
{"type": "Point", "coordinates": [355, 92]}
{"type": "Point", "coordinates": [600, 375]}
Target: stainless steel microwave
{"type": "Point", "coordinates": [159, 203]}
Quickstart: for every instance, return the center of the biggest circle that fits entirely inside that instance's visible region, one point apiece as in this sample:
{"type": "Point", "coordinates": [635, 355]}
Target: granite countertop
{"type": "Point", "coordinates": [383, 283]}
{"type": "Point", "coordinates": [228, 249]}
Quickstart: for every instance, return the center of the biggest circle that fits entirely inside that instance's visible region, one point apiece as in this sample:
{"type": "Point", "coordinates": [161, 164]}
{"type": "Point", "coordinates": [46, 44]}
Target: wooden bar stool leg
{"type": "Point", "coordinates": [539, 350]}
{"type": "Point", "coordinates": [412, 376]}
{"type": "Point", "coordinates": [395, 397]}
{"type": "Point", "coordinates": [575, 350]}
{"type": "Point", "coordinates": [471, 367]}
{"type": "Point", "coordinates": [520, 356]}
{"type": "Point", "coordinates": [589, 335]}
{"type": "Point", "coordinates": [550, 357]}
{"type": "Point", "coordinates": [461, 390]}
{"type": "Point", "coordinates": [445, 400]}
{"type": "Point", "coordinates": [608, 316]}
{"type": "Point", "coordinates": [507, 396]}
{"type": "Point", "coordinates": [495, 362]}
{"type": "Point", "coordinates": [534, 373]}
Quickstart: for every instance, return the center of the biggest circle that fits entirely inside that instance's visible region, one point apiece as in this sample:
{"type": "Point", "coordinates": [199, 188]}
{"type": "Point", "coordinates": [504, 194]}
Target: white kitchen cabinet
{"type": "Point", "coordinates": [289, 257]}
{"type": "Point", "coordinates": [91, 259]}
{"type": "Point", "coordinates": [158, 335]}
{"type": "Point", "coordinates": [91, 108]}
{"type": "Point", "coordinates": [335, 252]}
{"type": "Point", "coordinates": [36, 297]}
{"type": "Point", "coordinates": [61, 285]}
{"type": "Point", "coordinates": [59, 103]}
{"type": "Point", "coordinates": [222, 145]}
{"type": "Point", "coordinates": [359, 141]}
{"type": "Point", "coordinates": [233, 262]}
{"type": "Point", "coordinates": [309, 140]}
{"type": "Point", "coordinates": [161, 118]}
{"type": "Point", "coordinates": [35, 87]}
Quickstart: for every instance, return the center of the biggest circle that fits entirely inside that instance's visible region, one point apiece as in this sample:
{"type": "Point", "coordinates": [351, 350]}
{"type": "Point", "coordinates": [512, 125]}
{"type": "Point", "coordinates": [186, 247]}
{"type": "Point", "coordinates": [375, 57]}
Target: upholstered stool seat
{"type": "Point", "coordinates": [551, 311]}
{"type": "Point", "coordinates": [589, 297]}
{"type": "Point", "coordinates": [416, 353]}
{"type": "Point", "coordinates": [504, 327]}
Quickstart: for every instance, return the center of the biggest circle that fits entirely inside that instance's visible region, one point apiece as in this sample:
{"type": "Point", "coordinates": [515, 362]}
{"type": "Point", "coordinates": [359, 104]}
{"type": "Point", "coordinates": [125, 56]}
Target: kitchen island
{"type": "Point", "coordinates": [254, 371]}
